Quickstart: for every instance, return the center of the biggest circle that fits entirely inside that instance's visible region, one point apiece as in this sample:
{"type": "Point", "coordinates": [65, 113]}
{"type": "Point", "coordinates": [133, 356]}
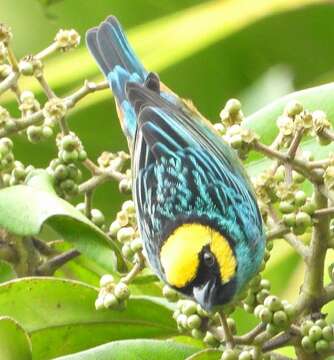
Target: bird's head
{"type": "Point", "coordinates": [199, 262]}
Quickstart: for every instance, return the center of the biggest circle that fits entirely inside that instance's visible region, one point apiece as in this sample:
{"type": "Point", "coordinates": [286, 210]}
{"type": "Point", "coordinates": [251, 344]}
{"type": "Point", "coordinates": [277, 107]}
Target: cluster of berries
{"type": "Point", "coordinates": [317, 336]}
{"type": "Point", "coordinates": [96, 215]}
{"type": "Point", "coordinates": [123, 229]}
{"type": "Point", "coordinates": [258, 291]}
{"type": "Point", "coordinates": [275, 313]}
{"type": "Point", "coordinates": [112, 295]}
{"type": "Point", "coordinates": [191, 318]}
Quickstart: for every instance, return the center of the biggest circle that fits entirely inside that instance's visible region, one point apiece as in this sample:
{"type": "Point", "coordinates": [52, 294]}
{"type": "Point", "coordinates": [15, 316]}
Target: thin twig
{"type": "Point", "coordinates": [50, 266]}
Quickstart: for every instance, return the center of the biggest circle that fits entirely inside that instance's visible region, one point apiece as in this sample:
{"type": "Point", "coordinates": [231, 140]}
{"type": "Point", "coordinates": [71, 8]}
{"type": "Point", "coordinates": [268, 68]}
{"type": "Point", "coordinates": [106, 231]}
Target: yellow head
{"type": "Point", "coordinates": [198, 260]}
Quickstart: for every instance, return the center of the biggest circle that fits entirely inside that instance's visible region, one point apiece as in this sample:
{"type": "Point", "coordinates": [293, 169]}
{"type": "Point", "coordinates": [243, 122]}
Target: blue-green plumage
{"type": "Point", "coordinates": [183, 171]}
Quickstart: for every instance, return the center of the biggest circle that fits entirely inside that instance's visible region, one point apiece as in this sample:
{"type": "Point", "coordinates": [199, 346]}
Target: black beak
{"type": "Point", "coordinates": [206, 294]}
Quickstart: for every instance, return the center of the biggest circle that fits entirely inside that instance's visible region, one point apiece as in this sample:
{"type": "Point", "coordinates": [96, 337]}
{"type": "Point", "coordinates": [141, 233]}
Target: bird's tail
{"type": "Point", "coordinates": [115, 57]}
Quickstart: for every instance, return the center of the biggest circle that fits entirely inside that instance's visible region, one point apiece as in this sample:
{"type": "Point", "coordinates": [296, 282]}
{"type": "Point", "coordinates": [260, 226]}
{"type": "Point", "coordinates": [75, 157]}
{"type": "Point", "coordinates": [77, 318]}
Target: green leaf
{"type": "Point", "coordinates": [206, 354]}
{"type": "Point", "coordinates": [6, 271]}
{"type": "Point", "coordinates": [215, 20]}
{"type": "Point", "coordinates": [14, 341]}
{"type": "Point", "coordinates": [60, 316]}
{"type": "Point", "coordinates": [138, 349]}
{"type": "Point", "coordinates": [25, 209]}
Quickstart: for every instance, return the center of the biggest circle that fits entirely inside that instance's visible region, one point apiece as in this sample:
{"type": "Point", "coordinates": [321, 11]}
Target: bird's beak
{"type": "Point", "coordinates": [205, 295]}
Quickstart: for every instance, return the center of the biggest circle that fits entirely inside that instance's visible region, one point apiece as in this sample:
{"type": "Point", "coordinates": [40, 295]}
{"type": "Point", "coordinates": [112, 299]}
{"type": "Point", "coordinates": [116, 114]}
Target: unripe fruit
{"type": "Point", "coordinates": [129, 207]}
{"type": "Point", "coordinates": [97, 217]}
{"type": "Point", "coordinates": [309, 207]}
{"type": "Point", "coordinates": [69, 143]}
{"type": "Point", "coordinates": [47, 132]}
{"type": "Point", "coordinates": [69, 156]}
{"type": "Point", "coordinates": [182, 320]}
{"type": "Point", "coordinates": [306, 326]}
{"type": "Point", "coordinates": [321, 346]}
{"type": "Point", "coordinates": [280, 318]}
{"type": "Point", "coordinates": [169, 293]}
{"type": "Point", "coordinates": [307, 344]}
{"type": "Point", "coordinates": [233, 106]}
{"type": "Point", "coordinates": [297, 177]}
{"type": "Point", "coordinates": [114, 228]}
{"type": "Point", "coordinates": [197, 334]}
{"type": "Point", "coordinates": [110, 300]}
{"type": "Point", "coordinates": [61, 172]}
{"type": "Point", "coordinates": [209, 339]}
{"type": "Point", "coordinates": [106, 279]}
{"type": "Point", "coordinates": [122, 291]}
{"type": "Point", "coordinates": [300, 197]}
{"type": "Point", "coordinates": [194, 321]}
{"type": "Point", "coordinates": [273, 303]}
{"type": "Point", "coordinates": [125, 234]}
{"type": "Point", "coordinates": [232, 325]}
{"type": "Point", "coordinates": [303, 219]}
{"type": "Point", "coordinates": [189, 308]}
{"type": "Point", "coordinates": [290, 310]}
{"type": "Point", "coordinates": [315, 333]}
{"type": "Point", "coordinates": [201, 312]}
{"type": "Point", "coordinates": [229, 354]}
{"type": "Point", "coordinates": [262, 295]}
{"type": "Point", "coordinates": [286, 207]}
{"type": "Point", "coordinates": [122, 218]}
{"type": "Point", "coordinates": [126, 251]}
{"type": "Point", "coordinates": [136, 245]}
{"type": "Point", "coordinates": [289, 219]}
{"type": "Point", "coordinates": [327, 333]}
{"type": "Point", "coordinates": [321, 322]}
{"type": "Point", "coordinates": [245, 355]}
{"type": "Point", "coordinates": [266, 315]}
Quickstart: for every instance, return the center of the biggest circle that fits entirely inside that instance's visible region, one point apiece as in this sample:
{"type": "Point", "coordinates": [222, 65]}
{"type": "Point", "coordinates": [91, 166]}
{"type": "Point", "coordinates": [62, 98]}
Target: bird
{"type": "Point", "coordinates": [196, 210]}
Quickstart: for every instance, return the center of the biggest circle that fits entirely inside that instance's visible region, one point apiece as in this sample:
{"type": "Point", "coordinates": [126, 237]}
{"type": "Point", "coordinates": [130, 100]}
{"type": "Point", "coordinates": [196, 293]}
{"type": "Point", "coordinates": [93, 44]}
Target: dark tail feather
{"type": "Point", "coordinates": [110, 48]}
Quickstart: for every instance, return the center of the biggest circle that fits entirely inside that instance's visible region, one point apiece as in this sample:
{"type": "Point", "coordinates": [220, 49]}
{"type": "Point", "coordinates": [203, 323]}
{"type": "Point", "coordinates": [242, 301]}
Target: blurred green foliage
{"type": "Point", "coordinates": [256, 62]}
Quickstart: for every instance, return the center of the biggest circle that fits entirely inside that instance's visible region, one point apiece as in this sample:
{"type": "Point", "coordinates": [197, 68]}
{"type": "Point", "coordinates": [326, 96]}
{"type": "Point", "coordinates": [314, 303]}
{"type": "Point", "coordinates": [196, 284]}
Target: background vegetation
{"type": "Point", "coordinates": [208, 51]}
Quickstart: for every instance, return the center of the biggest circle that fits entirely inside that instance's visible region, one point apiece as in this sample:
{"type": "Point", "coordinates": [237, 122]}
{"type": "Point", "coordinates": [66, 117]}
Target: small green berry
{"type": "Point", "coordinates": [169, 293]}
{"type": "Point", "coordinates": [245, 355]}
{"type": "Point", "coordinates": [69, 156]}
{"type": "Point", "coordinates": [136, 245]}
{"type": "Point", "coordinates": [273, 303]}
{"type": "Point", "coordinates": [126, 251]}
{"type": "Point", "coordinates": [266, 315]}
{"type": "Point", "coordinates": [122, 291]}
{"type": "Point", "coordinates": [125, 234]}
{"type": "Point", "coordinates": [233, 106]}
{"type": "Point", "coordinates": [114, 228]}
{"type": "Point", "coordinates": [315, 333]}
{"type": "Point", "coordinates": [286, 207]}
{"type": "Point", "coordinates": [327, 333]}
{"type": "Point", "coordinates": [61, 172]}
{"type": "Point", "coordinates": [303, 219]}
{"type": "Point", "coordinates": [189, 308]}
{"type": "Point", "coordinates": [106, 280]}
{"type": "Point", "coordinates": [306, 326]}
{"type": "Point", "coordinates": [229, 354]}
{"type": "Point", "coordinates": [321, 322]}
{"type": "Point", "coordinates": [300, 198]}
{"type": "Point", "coordinates": [321, 346]}
{"type": "Point", "coordinates": [110, 301]}
{"type": "Point", "coordinates": [308, 344]}
{"type": "Point", "coordinates": [289, 219]}
{"type": "Point", "coordinates": [197, 334]}
{"type": "Point", "coordinates": [194, 321]}
{"type": "Point", "coordinates": [97, 217]}
{"type": "Point", "coordinates": [69, 143]}
{"type": "Point", "coordinates": [210, 340]}
{"type": "Point", "coordinates": [280, 318]}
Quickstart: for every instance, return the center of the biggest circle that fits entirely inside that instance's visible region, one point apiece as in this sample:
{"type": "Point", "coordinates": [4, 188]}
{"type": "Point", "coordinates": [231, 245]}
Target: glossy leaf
{"type": "Point", "coordinates": [60, 316]}
{"type": "Point", "coordinates": [14, 341]}
{"type": "Point", "coordinates": [206, 354]}
{"type": "Point", "coordinates": [26, 208]}
{"type": "Point", "coordinates": [139, 349]}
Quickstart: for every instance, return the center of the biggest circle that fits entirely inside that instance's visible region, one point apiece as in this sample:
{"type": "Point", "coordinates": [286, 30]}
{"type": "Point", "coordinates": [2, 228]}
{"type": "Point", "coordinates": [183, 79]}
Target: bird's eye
{"type": "Point", "coordinates": [209, 259]}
